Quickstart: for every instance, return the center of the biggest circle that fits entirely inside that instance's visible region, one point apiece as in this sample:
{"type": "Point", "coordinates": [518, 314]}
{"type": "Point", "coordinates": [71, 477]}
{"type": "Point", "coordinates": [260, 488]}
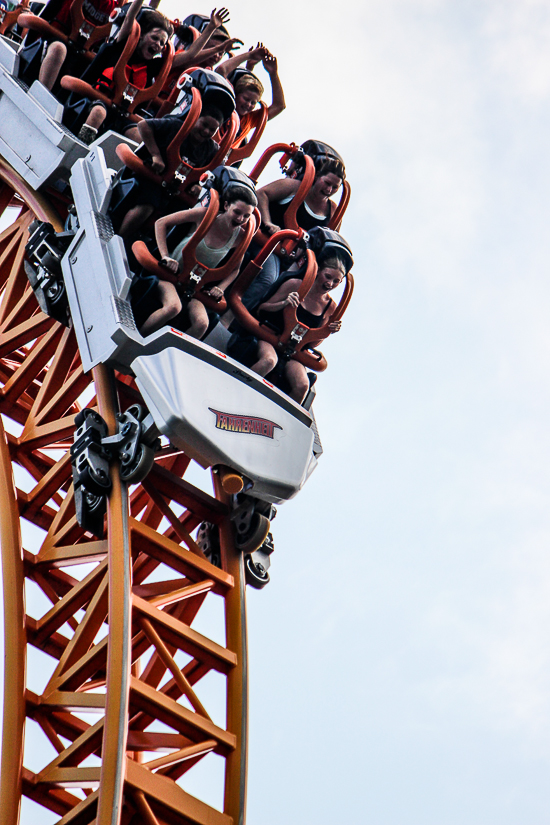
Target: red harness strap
{"type": "Point", "coordinates": [135, 75]}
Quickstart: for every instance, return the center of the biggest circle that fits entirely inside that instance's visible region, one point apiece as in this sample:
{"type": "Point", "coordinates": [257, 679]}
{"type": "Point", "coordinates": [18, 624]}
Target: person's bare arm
{"type": "Point", "coordinates": [278, 104]}
{"type": "Point", "coordinates": [285, 295]}
{"type": "Point", "coordinates": [128, 24]}
{"type": "Point", "coordinates": [148, 137]}
{"type": "Point", "coordinates": [194, 215]}
{"type": "Point", "coordinates": [334, 326]}
{"type": "Point", "coordinates": [253, 54]}
{"type": "Point", "coordinates": [276, 191]}
{"type": "Point", "coordinates": [216, 292]}
{"type": "Point", "coordinates": [184, 59]}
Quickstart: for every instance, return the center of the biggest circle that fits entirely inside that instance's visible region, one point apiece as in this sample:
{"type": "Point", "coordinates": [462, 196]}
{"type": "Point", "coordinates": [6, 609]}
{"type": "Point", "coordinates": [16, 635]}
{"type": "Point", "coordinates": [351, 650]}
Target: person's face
{"type": "Point", "coordinates": [329, 278]}
{"type": "Point", "coordinates": [238, 213]}
{"type": "Point", "coordinates": [205, 128]}
{"type": "Point", "coordinates": [217, 55]}
{"type": "Point", "coordinates": [153, 43]}
{"type": "Point", "coordinates": [327, 185]}
{"type": "Point", "coordinates": [246, 101]}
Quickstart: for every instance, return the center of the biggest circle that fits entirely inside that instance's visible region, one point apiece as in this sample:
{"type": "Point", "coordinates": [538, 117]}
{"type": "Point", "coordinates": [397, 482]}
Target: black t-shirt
{"type": "Point", "coordinates": [196, 154]}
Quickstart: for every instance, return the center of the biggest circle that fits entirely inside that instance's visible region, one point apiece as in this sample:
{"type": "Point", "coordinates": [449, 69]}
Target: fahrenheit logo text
{"type": "Point", "coordinates": [244, 424]}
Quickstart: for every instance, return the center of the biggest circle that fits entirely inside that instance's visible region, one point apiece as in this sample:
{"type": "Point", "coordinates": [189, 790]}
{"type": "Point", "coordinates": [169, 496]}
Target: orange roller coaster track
{"type": "Point", "coordinates": [117, 638]}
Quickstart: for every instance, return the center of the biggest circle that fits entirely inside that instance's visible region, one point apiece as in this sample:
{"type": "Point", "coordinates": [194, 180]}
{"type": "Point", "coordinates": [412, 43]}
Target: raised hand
{"type": "Point", "coordinates": [255, 54]}
{"type": "Point", "coordinates": [219, 17]}
{"type": "Point", "coordinates": [229, 44]}
{"type": "Point", "coordinates": [269, 62]}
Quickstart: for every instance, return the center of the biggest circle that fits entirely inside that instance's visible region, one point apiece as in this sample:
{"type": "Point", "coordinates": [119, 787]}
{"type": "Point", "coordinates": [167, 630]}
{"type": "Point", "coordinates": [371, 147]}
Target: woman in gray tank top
{"type": "Point", "coordinates": [223, 236]}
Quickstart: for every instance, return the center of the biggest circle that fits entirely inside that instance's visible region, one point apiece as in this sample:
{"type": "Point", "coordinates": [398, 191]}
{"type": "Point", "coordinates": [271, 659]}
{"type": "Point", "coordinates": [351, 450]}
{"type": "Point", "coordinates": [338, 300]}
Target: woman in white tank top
{"type": "Point", "coordinates": [223, 236]}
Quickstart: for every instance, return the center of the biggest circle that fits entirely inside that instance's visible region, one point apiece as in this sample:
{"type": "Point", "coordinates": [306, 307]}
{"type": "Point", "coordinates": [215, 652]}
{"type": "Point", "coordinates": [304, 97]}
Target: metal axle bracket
{"type": "Point", "coordinates": [133, 445]}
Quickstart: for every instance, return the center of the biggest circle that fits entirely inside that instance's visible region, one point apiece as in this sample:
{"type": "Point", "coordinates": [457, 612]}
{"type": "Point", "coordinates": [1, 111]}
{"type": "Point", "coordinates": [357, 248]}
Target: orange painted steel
{"type": "Point", "coordinates": [118, 638]}
{"type": "Point", "coordinates": [240, 151]}
{"type": "Point", "coordinates": [8, 19]}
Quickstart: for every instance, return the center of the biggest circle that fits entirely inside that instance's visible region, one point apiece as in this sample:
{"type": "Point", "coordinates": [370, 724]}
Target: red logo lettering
{"type": "Point", "coordinates": [245, 424]}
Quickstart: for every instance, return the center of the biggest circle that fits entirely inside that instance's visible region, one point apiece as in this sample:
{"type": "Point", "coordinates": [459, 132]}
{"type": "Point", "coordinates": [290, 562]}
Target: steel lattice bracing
{"type": "Point", "coordinates": [114, 635]}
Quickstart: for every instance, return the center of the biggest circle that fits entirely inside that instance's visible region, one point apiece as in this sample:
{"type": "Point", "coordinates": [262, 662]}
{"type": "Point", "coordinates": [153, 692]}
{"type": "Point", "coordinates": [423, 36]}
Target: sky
{"type": "Point", "coordinates": [399, 658]}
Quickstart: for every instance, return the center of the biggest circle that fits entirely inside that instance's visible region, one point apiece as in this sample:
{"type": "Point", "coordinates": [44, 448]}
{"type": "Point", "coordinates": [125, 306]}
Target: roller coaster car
{"type": "Point", "coordinates": [206, 403]}
{"type": "Point", "coordinates": [297, 341]}
{"type": "Point", "coordinates": [193, 277]}
{"type": "Point", "coordinates": [195, 89]}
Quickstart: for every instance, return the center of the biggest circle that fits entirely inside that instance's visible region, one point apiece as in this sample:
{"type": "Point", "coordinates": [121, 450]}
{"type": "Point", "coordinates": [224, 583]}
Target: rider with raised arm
{"type": "Point", "coordinates": [210, 46]}
{"type": "Point", "coordinates": [249, 89]}
{"type": "Point", "coordinates": [141, 69]}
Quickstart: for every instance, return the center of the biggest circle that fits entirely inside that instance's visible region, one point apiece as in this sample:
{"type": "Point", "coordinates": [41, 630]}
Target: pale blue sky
{"type": "Point", "coordinates": [399, 658]}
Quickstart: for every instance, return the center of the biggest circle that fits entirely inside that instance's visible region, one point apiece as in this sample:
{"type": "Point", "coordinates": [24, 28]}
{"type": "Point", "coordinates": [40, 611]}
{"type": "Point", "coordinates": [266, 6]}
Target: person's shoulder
{"type": "Point", "coordinates": [282, 186]}
{"type": "Point", "coordinates": [210, 148]}
{"type": "Point", "coordinates": [293, 283]}
{"type": "Point", "coordinates": [168, 121]}
{"type": "Point", "coordinates": [289, 285]}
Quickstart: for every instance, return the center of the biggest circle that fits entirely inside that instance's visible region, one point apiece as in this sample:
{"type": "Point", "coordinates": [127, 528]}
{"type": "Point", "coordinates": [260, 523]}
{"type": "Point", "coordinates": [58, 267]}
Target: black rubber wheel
{"type": "Point", "coordinates": [255, 536]}
{"type": "Point", "coordinates": [97, 484]}
{"type": "Point", "coordinates": [83, 415]}
{"type": "Point", "coordinates": [137, 411]}
{"type": "Point", "coordinates": [255, 574]}
{"type": "Point", "coordinates": [138, 469]}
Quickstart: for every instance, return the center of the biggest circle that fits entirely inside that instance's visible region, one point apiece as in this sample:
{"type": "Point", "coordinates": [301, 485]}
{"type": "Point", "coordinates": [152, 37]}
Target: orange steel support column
{"type": "Point", "coordinates": [237, 681]}
{"type": "Point", "coordinates": [14, 642]}
{"type": "Point", "coordinates": [115, 732]}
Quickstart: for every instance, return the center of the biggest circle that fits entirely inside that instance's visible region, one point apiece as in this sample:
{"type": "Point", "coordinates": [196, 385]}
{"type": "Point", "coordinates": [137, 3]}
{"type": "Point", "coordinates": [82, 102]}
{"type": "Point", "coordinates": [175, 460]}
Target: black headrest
{"type": "Point", "coordinates": [226, 177]}
{"type": "Point", "coordinates": [199, 22]}
{"type": "Point", "coordinates": [320, 152]}
{"type": "Point", "coordinates": [214, 89]}
{"type": "Point", "coordinates": [326, 243]}
{"type": "Point", "coordinates": [238, 73]}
